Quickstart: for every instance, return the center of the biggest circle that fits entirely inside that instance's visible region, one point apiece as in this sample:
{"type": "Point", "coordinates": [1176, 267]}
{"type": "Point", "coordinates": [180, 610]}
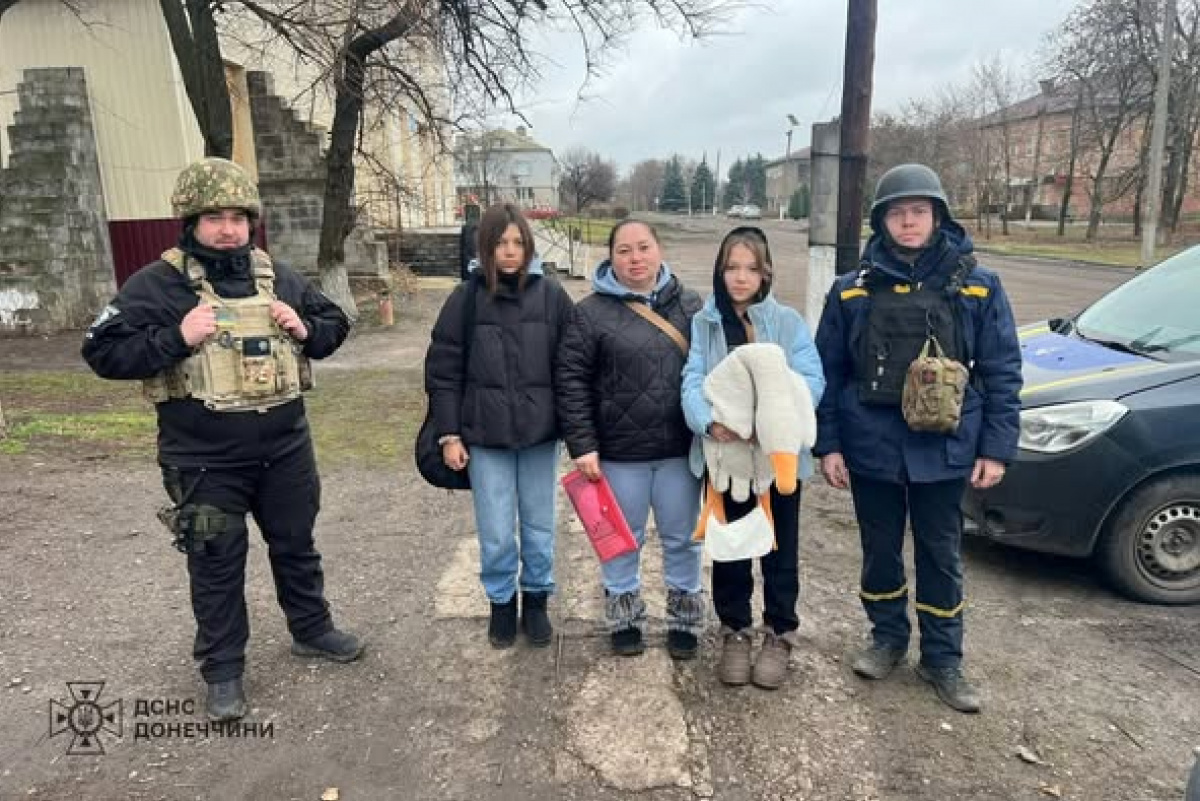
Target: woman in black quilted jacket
{"type": "Point", "coordinates": [618, 380]}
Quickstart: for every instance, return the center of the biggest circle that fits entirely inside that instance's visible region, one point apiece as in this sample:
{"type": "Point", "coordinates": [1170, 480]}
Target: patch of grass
{"type": "Point", "coordinates": [1107, 253]}
{"type": "Point", "coordinates": [357, 416]}
{"type": "Point", "coordinates": [364, 417]}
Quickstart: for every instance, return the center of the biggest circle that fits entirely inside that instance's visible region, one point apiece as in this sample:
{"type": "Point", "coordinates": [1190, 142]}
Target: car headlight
{"type": "Point", "coordinates": [1054, 429]}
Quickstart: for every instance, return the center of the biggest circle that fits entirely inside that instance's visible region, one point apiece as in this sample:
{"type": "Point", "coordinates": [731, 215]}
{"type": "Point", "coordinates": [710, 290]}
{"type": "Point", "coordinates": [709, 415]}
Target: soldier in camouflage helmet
{"type": "Point", "coordinates": [220, 336]}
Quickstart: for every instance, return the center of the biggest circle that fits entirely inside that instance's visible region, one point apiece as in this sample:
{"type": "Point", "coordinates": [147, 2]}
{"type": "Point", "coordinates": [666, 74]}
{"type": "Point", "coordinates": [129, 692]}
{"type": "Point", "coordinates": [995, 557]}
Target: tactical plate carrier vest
{"type": "Point", "coordinates": [250, 364]}
{"type": "Point", "coordinates": [901, 319]}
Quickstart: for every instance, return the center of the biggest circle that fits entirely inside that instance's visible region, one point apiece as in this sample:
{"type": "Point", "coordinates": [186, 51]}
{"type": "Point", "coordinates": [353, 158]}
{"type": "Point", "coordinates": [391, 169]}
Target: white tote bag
{"type": "Point", "coordinates": [748, 537]}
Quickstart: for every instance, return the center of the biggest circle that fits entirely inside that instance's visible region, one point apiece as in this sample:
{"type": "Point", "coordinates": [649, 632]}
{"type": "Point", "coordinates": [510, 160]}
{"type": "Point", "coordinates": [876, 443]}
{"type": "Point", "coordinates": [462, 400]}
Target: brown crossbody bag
{"type": "Point", "coordinates": [657, 320]}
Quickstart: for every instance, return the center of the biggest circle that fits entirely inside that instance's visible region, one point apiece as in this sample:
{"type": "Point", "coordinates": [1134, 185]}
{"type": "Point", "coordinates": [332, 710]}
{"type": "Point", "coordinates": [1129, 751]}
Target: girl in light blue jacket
{"type": "Point", "coordinates": [741, 310]}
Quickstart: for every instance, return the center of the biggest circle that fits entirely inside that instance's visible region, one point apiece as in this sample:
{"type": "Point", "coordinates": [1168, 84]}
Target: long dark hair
{"type": "Point", "coordinates": [752, 238]}
{"type": "Point", "coordinates": [492, 225]}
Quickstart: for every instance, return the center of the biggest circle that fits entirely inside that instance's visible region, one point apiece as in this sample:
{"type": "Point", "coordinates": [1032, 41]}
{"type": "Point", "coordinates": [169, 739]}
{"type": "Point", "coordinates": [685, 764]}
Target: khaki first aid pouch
{"type": "Point", "coordinates": [934, 387]}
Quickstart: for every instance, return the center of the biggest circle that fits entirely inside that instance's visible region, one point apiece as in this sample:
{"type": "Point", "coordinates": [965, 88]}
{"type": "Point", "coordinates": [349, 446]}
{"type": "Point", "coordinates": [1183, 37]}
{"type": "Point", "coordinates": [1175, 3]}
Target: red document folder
{"type": "Point", "coordinates": [601, 516]}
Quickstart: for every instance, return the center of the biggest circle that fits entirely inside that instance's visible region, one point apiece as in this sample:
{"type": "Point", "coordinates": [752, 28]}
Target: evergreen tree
{"type": "Point", "coordinates": [674, 192]}
{"type": "Point", "coordinates": [703, 187]}
{"type": "Point", "coordinates": [798, 206]}
{"type": "Point", "coordinates": [735, 191]}
{"type": "Point", "coordinates": [756, 181]}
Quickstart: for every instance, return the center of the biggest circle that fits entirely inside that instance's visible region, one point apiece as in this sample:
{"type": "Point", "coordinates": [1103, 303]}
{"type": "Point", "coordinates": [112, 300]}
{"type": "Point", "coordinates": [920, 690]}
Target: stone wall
{"type": "Point", "coordinates": [291, 180]}
{"type": "Point", "coordinates": [56, 267]}
{"type": "Point", "coordinates": [428, 252]}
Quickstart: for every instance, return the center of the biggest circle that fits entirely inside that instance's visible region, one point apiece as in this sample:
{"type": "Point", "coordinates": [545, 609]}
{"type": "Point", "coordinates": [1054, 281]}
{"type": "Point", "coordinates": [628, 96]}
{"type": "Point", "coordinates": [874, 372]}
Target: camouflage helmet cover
{"type": "Point", "coordinates": [214, 183]}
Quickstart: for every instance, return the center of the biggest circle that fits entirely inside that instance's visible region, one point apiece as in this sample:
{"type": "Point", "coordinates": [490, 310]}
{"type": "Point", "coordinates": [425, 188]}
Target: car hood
{"type": "Point", "coordinates": [1059, 369]}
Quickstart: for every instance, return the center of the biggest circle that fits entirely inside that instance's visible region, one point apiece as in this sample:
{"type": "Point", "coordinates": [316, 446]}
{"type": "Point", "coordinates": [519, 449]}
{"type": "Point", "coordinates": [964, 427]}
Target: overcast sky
{"type": "Point", "coordinates": [733, 92]}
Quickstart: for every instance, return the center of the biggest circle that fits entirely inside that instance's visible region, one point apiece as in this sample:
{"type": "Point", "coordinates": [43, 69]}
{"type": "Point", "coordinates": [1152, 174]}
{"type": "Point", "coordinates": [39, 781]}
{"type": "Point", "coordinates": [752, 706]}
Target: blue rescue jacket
{"type": "Point", "coordinates": [773, 322]}
{"type": "Point", "coordinates": [874, 440]}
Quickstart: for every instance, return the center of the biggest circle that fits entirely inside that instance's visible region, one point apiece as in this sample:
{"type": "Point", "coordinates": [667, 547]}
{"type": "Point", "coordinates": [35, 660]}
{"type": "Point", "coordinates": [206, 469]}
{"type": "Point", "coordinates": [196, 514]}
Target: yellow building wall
{"type": "Point", "coordinates": [145, 130]}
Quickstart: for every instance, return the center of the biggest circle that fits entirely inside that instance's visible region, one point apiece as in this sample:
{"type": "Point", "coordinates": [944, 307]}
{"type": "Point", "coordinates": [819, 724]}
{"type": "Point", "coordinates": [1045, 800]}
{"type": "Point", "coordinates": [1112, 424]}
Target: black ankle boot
{"type": "Point", "coordinates": [502, 628]}
{"type": "Point", "coordinates": [534, 620]}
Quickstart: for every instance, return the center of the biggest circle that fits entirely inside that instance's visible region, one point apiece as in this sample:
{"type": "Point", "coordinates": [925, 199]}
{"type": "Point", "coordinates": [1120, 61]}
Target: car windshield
{"type": "Point", "coordinates": [1154, 313]}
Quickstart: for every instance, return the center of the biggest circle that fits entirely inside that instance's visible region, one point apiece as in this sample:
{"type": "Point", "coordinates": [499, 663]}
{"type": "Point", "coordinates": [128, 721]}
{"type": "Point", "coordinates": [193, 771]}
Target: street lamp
{"type": "Point", "coordinates": [787, 155]}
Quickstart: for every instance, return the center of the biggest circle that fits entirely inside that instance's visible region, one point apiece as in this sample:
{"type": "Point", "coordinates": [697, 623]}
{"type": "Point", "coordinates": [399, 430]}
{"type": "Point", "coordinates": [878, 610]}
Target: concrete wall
{"type": "Point", "coordinates": [55, 261]}
{"type": "Point", "coordinates": [291, 181]}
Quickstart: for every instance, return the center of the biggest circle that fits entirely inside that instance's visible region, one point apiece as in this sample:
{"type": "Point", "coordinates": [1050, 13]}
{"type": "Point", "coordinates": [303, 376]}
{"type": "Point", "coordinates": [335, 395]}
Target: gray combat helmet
{"type": "Point", "coordinates": [908, 180]}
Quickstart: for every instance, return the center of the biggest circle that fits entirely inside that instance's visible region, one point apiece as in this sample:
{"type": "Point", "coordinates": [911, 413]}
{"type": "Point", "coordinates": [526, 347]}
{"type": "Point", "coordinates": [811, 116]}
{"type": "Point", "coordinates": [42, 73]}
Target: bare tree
{"type": "Point", "coordinates": [1072, 159]}
{"type": "Point", "coordinates": [480, 161]}
{"type": "Point", "coordinates": [997, 87]}
{"type": "Point", "coordinates": [586, 178]}
{"type": "Point", "coordinates": [197, 49]}
{"type": "Point", "coordinates": [645, 181]}
{"type": "Point", "coordinates": [364, 50]}
{"type": "Point", "coordinates": [1097, 51]}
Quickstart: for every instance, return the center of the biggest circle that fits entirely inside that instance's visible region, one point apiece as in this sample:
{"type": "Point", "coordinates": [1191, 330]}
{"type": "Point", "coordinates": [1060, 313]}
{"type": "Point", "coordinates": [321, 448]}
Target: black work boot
{"type": "Point", "coordinates": [954, 690]}
{"type": "Point", "coordinates": [502, 627]}
{"type": "Point", "coordinates": [334, 645]}
{"type": "Point", "coordinates": [627, 642]}
{"type": "Point", "coordinates": [534, 620]}
{"type": "Point", "coordinates": [682, 645]}
{"type": "Point", "coordinates": [226, 701]}
{"type": "Point", "coordinates": [877, 661]}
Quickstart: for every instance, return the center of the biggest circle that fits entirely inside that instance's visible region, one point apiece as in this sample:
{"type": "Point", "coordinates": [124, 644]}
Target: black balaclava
{"type": "Point", "coordinates": [218, 262]}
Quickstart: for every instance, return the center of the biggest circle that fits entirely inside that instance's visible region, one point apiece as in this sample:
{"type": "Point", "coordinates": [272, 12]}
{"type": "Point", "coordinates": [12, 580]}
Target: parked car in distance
{"type": "Point", "coordinates": [735, 211]}
{"type": "Point", "coordinates": [1109, 458]}
{"type": "Point", "coordinates": [751, 212]}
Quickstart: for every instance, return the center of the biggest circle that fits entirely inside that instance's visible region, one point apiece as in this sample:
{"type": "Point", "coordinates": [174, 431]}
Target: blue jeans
{"type": "Point", "coordinates": [507, 486]}
{"type": "Point", "coordinates": [668, 487]}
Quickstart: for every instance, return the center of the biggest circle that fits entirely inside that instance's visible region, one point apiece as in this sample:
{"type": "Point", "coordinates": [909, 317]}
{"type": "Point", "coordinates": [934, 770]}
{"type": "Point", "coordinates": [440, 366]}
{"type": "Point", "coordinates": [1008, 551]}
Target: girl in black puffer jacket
{"type": "Point", "coordinates": [619, 375]}
{"type": "Point", "coordinates": [496, 417]}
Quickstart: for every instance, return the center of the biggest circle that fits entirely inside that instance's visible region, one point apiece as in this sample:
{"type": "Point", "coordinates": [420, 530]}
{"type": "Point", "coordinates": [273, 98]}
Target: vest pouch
{"type": "Point", "coordinates": [249, 364]}
{"type": "Point", "coordinates": [899, 323]}
{"type": "Point", "coordinates": [934, 389]}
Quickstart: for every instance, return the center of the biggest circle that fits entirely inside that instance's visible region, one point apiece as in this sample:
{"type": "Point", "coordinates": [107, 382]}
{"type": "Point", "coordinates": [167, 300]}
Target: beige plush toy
{"type": "Point", "coordinates": [755, 394]}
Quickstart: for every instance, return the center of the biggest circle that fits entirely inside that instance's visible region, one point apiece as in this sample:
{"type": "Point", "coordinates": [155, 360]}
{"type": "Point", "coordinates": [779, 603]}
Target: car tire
{"type": "Point", "coordinates": [1150, 549]}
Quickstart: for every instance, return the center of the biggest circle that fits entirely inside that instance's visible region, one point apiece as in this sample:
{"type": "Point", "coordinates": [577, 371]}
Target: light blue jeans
{"type": "Point", "coordinates": [508, 486]}
{"type": "Point", "coordinates": [668, 487]}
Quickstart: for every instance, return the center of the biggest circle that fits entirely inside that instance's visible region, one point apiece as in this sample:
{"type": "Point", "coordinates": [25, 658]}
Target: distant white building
{"type": "Point", "coordinates": [506, 166]}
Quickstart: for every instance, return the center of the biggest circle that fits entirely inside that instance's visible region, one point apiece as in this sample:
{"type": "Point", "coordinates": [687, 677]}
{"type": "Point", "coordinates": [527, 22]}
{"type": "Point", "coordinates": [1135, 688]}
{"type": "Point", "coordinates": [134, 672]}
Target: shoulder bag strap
{"type": "Point", "coordinates": [656, 320]}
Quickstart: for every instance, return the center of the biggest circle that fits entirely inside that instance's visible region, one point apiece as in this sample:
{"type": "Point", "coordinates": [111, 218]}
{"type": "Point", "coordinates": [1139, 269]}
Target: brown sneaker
{"type": "Point", "coordinates": [771, 667]}
{"type": "Point", "coordinates": [734, 667]}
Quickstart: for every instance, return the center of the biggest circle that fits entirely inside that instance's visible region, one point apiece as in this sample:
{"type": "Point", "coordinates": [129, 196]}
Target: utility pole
{"type": "Point", "coordinates": [822, 218]}
{"type": "Point", "coordinates": [1158, 136]}
{"type": "Point", "coordinates": [857, 83]}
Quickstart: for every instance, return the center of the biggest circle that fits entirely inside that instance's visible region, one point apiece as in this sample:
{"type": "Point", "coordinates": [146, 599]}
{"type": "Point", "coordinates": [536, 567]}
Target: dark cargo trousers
{"type": "Point", "coordinates": [283, 496]}
{"type": "Point", "coordinates": [883, 508]}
